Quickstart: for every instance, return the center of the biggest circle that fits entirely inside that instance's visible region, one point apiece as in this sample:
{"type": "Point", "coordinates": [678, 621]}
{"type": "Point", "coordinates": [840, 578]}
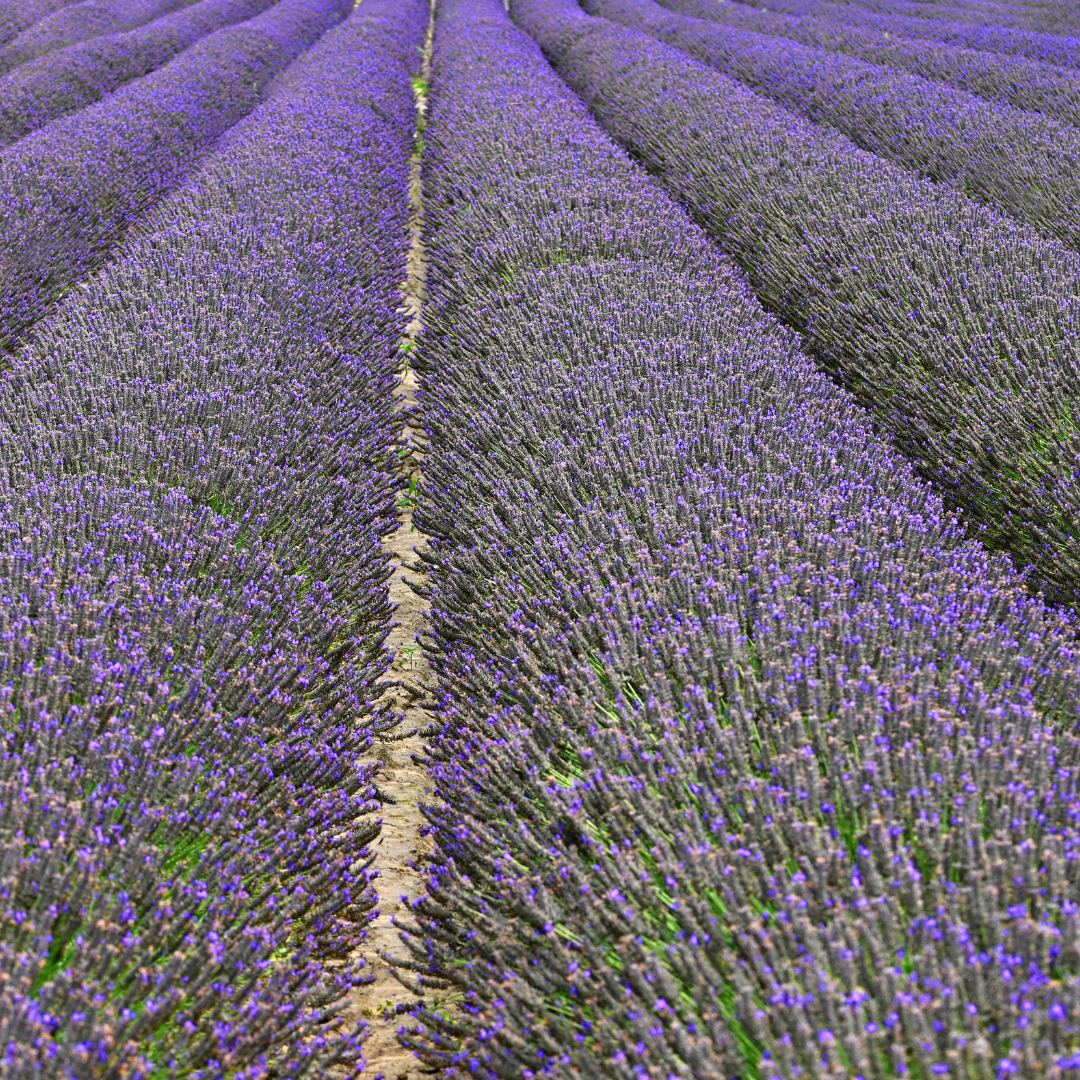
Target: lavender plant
{"type": "Point", "coordinates": [748, 763]}
{"type": "Point", "coordinates": [973, 12]}
{"type": "Point", "coordinates": [178, 862]}
{"type": "Point", "coordinates": [1012, 80]}
{"type": "Point", "coordinates": [900, 285]}
{"type": "Point", "coordinates": [43, 90]}
{"type": "Point", "coordinates": [1023, 163]}
{"type": "Point", "coordinates": [1039, 18]}
{"type": "Point", "coordinates": [197, 453]}
{"type": "Point", "coordinates": [1058, 49]}
{"type": "Point", "coordinates": [17, 15]}
{"type": "Point", "coordinates": [77, 22]}
{"type": "Point", "coordinates": [69, 191]}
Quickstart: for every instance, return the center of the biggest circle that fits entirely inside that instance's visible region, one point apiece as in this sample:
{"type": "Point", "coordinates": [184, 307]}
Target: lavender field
{"type": "Point", "coordinates": [540, 539]}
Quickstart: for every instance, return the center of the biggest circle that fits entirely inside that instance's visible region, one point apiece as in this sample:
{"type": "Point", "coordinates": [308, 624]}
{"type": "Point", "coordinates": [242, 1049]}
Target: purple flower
{"type": "Point", "coordinates": [71, 189]}
{"type": "Point", "coordinates": [40, 91]}
{"type": "Point", "coordinates": [195, 492]}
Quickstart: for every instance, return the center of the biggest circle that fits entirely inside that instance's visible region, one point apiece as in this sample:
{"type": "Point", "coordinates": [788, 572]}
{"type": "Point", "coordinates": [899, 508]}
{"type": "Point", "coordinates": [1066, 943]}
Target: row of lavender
{"type": "Point", "coordinates": [70, 191]}
{"type": "Point", "coordinates": [42, 90]}
{"type": "Point", "coordinates": [980, 37]}
{"type": "Point", "coordinates": [748, 763]}
{"type": "Point", "coordinates": [1015, 80]}
{"type": "Point", "coordinates": [1026, 163]}
{"type": "Point", "coordinates": [18, 15]}
{"type": "Point", "coordinates": [78, 22]}
{"type": "Point", "coordinates": [198, 466]}
{"type": "Point", "coordinates": [900, 285]}
{"type": "Point", "coordinates": [1031, 15]}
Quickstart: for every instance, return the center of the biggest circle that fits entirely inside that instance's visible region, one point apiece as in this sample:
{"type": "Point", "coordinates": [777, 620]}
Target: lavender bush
{"type": "Point", "coordinates": [69, 191]}
{"type": "Point", "coordinates": [1024, 163]}
{"type": "Point", "coordinates": [43, 90]}
{"type": "Point", "coordinates": [1012, 80]}
{"type": "Point", "coordinates": [197, 466]}
{"type": "Point", "coordinates": [748, 763]}
{"type": "Point", "coordinates": [1053, 18]}
{"type": "Point", "coordinates": [900, 285]}
{"type": "Point", "coordinates": [17, 15]}
{"type": "Point", "coordinates": [76, 23]}
{"type": "Point", "coordinates": [1048, 48]}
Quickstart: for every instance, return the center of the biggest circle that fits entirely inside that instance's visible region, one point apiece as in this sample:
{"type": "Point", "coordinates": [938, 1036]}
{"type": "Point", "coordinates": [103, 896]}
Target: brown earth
{"type": "Point", "coordinates": [400, 849]}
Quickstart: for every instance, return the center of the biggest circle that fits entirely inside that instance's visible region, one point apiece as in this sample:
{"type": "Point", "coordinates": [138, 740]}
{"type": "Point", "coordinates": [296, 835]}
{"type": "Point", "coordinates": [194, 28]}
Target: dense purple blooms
{"type": "Point", "coordinates": [746, 760]}
{"type": "Point", "coordinates": [88, 19]}
{"type": "Point", "coordinates": [750, 759]}
{"type": "Point", "coordinates": [1048, 48]}
{"type": "Point", "coordinates": [17, 15]}
{"type": "Point", "coordinates": [1053, 18]}
{"type": "Point", "coordinates": [69, 191]}
{"type": "Point", "coordinates": [1027, 164]}
{"type": "Point", "coordinates": [196, 467]}
{"type": "Point", "coordinates": [899, 284]}
{"type": "Point", "coordinates": [41, 91]}
{"type": "Point", "coordinates": [1022, 83]}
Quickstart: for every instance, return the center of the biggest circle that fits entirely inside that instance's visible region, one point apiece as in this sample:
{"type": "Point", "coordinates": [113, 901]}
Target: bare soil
{"type": "Point", "coordinates": [400, 849]}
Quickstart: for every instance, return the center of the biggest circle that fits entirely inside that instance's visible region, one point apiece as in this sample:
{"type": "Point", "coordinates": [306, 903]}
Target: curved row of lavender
{"type": "Point", "coordinates": [1051, 19]}
{"type": "Point", "coordinates": [69, 191]}
{"type": "Point", "coordinates": [17, 15]}
{"type": "Point", "coordinates": [1024, 163]}
{"type": "Point", "coordinates": [1027, 18]}
{"type": "Point", "coordinates": [197, 470]}
{"type": "Point", "coordinates": [1062, 50]}
{"type": "Point", "coordinates": [1040, 16]}
{"type": "Point", "coordinates": [88, 19]}
{"type": "Point", "coordinates": [43, 90]}
{"type": "Point", "coordinates": [745, 758]}
{"type": "Point", "coordinates": [901, 285]}
{"type": "Point", "coordinates": [1066, 16]}
{"type": "Point", "coordinates": [1012, 80]}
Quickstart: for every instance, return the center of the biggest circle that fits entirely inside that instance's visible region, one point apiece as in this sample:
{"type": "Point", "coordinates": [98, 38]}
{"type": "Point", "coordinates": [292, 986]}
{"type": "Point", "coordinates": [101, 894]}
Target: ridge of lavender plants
{"type": "Point", "coordinates": [197, 456]}
{"type": "Point", "coordinates": [1062, 50]}
{"type": "Point", "coordinates": [899, 284]}
{"type": "Point", "coordinates": [42, 90]}
{"type": "Point", "coordinates": [78, 22]}
{"type": "Point", "coordinates": [747, 762]}
{"type": "Point", "coordinates": [70, 190]}
{"type": "Point", "coordinates": [17, 15]}
{"type": "Point", "coordinates": [1012, 80]}
{"type": "Point", "coordinates": [1023, 163]}
{"type": "Point", "coordinates": [1043, 19]}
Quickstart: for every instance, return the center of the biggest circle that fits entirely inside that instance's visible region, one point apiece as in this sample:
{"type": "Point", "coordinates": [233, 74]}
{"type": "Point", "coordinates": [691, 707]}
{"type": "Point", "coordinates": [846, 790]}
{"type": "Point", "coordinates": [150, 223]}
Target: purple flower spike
{"type": "Point", "coordinates": [1011, 79]}
{"type": "Point", "coordinates": [696, 621]}
{"type": "Point", "coordinates": [900, 285]}
{"type": "Point", "coordinates": [43, 90]}
{"type": "Point", "coordinates": [991, 151]}
{"type": "Point", "coordinates": [197, 473]}
{"type": "Point", "coordinates": [71, 190]}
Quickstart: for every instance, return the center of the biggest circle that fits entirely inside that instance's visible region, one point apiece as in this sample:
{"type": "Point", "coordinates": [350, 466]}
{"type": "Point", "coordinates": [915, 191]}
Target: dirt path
{"type": "Point", "coordinates": [400, 846]}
